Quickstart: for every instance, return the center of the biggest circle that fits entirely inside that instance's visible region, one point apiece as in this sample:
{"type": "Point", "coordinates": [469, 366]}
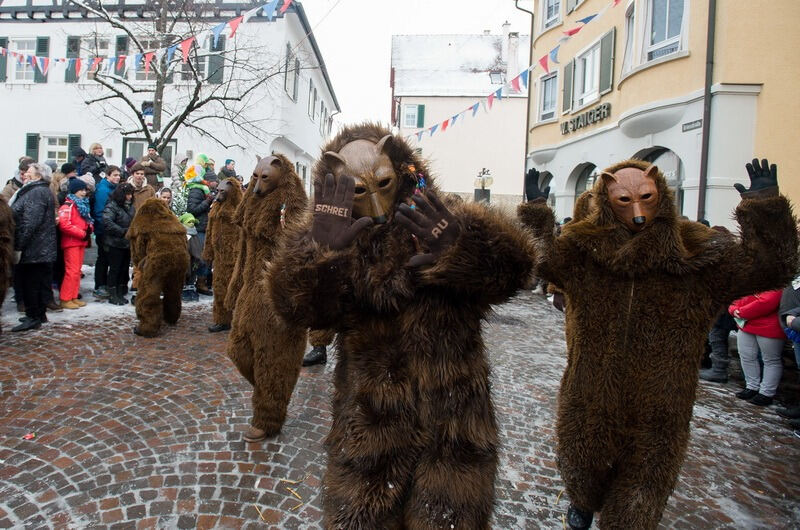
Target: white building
{"type": "Point", "coordinates": [435, 77]}
{"type": "Point", "coordinates": [46, 115]}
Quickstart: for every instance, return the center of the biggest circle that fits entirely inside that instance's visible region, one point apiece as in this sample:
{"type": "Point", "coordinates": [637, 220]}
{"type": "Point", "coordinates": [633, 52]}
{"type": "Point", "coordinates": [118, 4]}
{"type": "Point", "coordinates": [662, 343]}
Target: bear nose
{"type": "Point", "coordinates": [639, 220]}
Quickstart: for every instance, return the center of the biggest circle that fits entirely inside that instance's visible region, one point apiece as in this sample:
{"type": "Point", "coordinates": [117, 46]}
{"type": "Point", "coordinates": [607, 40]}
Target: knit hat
{"type": "Point", "coordinates": [75, 185]}
{"type": "Point", "coordinates": [78, 151]}
{"type": "Point", "coordinates": [88, 179]}
{"type": "Point", "coordinates": [136, 167]}
{"type": "Point", "coordinates": [52, 165]}
{"type": "Point", "coordinates": [67, 168]}
{"type": "Point", "coordinates": [151, 146]}
{"type": "Point", "coordinates": [201, 159]}
{"type": "Point", "coordinates": [129, 162]}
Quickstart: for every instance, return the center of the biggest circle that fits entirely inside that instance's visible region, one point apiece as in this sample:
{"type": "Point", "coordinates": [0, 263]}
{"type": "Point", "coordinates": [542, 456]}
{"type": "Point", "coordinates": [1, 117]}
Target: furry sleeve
{"type": "Point", "coordinates": [766, 257]}
{"type": "Point", "coordinates": [491, 259]}
{"type": "Point", "coordinates": [208, 246]}
{"type": "Point", "coordinates": [310, 285]}
{"type": "Point", "coordinates": [236, 280]}
{"type": "Point", "coordinates": [551, 254]}
{"type": "Point", "coordinates": [138, 249]}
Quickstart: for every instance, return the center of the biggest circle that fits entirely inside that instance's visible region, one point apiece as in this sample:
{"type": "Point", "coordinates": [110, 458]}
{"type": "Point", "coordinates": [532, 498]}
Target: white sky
{"type": "Point", "coordinates": [356, 39]}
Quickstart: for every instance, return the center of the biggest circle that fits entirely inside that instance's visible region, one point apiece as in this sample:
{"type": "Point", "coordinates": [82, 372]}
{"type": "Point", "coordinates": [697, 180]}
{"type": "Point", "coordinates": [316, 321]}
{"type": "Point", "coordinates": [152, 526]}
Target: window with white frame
{"type": "Point", "coordinates": [551, 13]}
{"type": "Point", "coordinates": [630, 26]}
{"type": "Point", "coordinates": [91, 47]}
{"type": "Point", "coordinates": [410, 115]}
{"type": "Point", "coordinates": [548, 89]}
{"type": "Point", "coordinates": [323, 116]}
{"type": "Point", "coordinates": [587, 76]}
{"type": "Point", "coordinates": [56, 148]}
{"type": "Point", "coordinates": [23, 71]}
{"type": "Point", "coordinates": [664, 24]}
{"type": "Point", "coordinates": [197, 59]}
{"type": "Point", "coordinates": [148, 45]}
{"type": "Point", "coordinates": [312, 100]}
{"type": "Point", "coordinates": [292, 68]}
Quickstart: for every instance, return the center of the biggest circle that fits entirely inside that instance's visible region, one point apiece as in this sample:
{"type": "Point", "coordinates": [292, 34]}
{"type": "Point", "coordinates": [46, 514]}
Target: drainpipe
{"type": "Point", "coordinates": [712, 22]}
{"type": "Point", "coordinates": [530, 84]}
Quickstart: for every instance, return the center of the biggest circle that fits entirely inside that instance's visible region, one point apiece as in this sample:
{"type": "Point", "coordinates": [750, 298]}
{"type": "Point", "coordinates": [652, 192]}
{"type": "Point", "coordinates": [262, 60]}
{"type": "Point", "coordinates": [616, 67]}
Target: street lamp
{"type": "Point", "coordinates": [483, 181]}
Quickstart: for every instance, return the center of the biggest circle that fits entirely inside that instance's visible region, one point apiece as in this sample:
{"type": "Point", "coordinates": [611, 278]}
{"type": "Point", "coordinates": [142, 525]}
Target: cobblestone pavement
{"type": "Point", "coordinates": [138, 433]}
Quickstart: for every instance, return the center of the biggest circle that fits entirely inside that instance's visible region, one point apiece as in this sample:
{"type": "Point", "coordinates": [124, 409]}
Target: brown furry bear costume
{"type": "Point", "coordinates": [266, 351]}
{"type": "Point", "coordinates": [6, 249]}
{"type": "Point", "coordinates": [639, 307]}
{"type": "Point", "coordinates": [222, 244]}
{"type": "Point", "coordinates": [414, 440]}
{"type": "Point", "coordinates": [159, 250]}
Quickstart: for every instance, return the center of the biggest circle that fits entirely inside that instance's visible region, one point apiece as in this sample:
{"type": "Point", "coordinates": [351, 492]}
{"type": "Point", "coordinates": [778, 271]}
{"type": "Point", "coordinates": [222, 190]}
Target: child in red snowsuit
{"type": "Point", "coordinates": [76, 224]}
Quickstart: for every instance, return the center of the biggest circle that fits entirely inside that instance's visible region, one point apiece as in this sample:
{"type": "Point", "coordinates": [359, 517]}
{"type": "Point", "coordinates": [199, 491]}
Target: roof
{"type": "Point", "coordinates": [453, 65]}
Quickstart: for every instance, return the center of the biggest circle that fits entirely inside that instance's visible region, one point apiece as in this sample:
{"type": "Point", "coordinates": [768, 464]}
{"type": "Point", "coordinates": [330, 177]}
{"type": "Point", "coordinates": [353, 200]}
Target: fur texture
{"type": "Point", "coordinates": [222, 244]}
{"type": "Point", "coordinates": [321, 337]}
{"type": "Point", "coordinates": [159, 251]}
{"type": "Point", "coordinates": [414, 440]}
{"type": "Point", "coordinates": [6, 248]}
{"type": "Point", "coordinates": [639, 309]}
{"type": "Point", "coordinates": [265, 350]}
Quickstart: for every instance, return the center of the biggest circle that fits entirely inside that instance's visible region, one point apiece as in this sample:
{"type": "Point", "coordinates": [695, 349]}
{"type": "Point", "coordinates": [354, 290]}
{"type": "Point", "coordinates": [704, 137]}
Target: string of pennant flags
{"type": "Point", "coordinates": [121, 62]}
{"type": "Point", "coordinates": [516, 85]}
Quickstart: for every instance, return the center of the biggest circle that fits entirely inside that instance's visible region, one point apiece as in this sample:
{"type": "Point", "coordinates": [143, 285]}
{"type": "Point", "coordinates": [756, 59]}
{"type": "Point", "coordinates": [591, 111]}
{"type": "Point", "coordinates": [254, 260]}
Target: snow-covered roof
{"type": "Point", "coordinates": [455, 65]}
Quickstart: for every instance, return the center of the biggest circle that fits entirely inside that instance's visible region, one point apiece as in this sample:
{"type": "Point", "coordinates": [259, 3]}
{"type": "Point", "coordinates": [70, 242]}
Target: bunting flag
{"type": "Point", "coordinates": [515, 84]}
{"type": "Point", "coordinates": [573, 31]}
{"type": "Point", "coordinates": [269, 10]}
{"type": "Point", "coordinates": [453, 119]}
{"type": "Point", "coordinates": [3, 52]}
{"type": "Point", "coordinates": [250, 14]}
{"type": "Point", "coordinates": [96, 64]}
{"type": "Point", "coordinates": [616, 2]}
{"type": "Point", "coordinates": [121, 62]}
{"type": "Point", "coordinates": [185, 47]}
{"type": "Point", "coordinates": [490, 99]}
{"type": "Point", "coordinates": [543, 63]}
{"type": "Point", "coordinates": [112, 61]}
{"type": "Point", "coordinates": [588, 19]}
{"type": "Point", "coordinates": [554, 55]}
{"type": "Point", "coordinates": [216, 30]}
{"type": "Point", "coordinates": [419, 136]}
{"type": "Point", "coordinates": [77, 62]}
{"type": "Point", "coordinates": [499, 93]}
{"type": "Point", "coordinates": [433, 129]}
{"type": "Point", "coordinates": [234, 24]}
{"type": "Point", "coordinates": [44, 64]}
{"type": "Point", "coordinates": [524, 77]}
{"type": "Point", "coordinates": [147, 58]}
{"type": "Point", "coordinates": [171, 52]}
{"type": "Point", "coordinates": [445, 123]}
{"type": "Point", "coordinates": [285, 6]}
{"type": "Point", "coordinates": [475, 108]}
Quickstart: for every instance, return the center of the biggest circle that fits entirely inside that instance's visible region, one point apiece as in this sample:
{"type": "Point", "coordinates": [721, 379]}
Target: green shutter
{"type": "Point", "coordinates": [3, 59]}
{"type": "Point", "coordinates": [216, 61]}
{"type": "Point", "coordinates": [420, 116]}
{"type": "Point", "coordinates": [121, 49]}
{"type": "Point", "coordinates": [42, 50]}
{"type": "Point", "coordinates": [32, 145]}
{"type": "Point", "coordinates": [566, 100]}
{"type": "Point", "coordinates": [73, 51]}
{"type": "Point", "coordinates": [73, 142]}
{"type": "Point", "coordinates": [607, 62]}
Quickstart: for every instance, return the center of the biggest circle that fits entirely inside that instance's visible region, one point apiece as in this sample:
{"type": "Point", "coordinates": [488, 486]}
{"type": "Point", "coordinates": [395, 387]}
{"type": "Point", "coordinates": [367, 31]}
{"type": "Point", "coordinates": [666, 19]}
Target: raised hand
{"type": "Point", "coordinates": [762, 176]}
{"type": "Point", "coordinates": [333, 208]}
{"type": "Point", "coordinates": [432, 223]}
{"type": "Point", "coordinates": [532, 191]}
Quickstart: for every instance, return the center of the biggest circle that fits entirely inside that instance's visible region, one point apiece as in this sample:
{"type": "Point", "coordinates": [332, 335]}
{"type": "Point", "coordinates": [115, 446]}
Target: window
{"type": "Point", "coordinates": [198, 59]}
{"type": "Point", "coordinates": [548, 87]}
{"type": "Point", "coordinates": [56, 148]}
{"type": "Point", "coordinates": [292, 69]}
{"type": "Point", "coordinates": [23, 71]}
{"type": "Point", "coordinates": [92, 47]}
{"type": "Point", "coordinates": [629, 30]}
{"type": "Point", "coordinates": [312, 100]}
{"type": "Point", "coordinates": [666, 19]}
{"type": "Point", "coordinates": [413, 115]}
{"type": "Point", "coordinates": [587, 76]}
{"type": "Point", "coordinates": [148, 45]}
{"type": "Point", "coordinates": [551, 13]}
{"type": "Point", "coordinates": [323, 117]}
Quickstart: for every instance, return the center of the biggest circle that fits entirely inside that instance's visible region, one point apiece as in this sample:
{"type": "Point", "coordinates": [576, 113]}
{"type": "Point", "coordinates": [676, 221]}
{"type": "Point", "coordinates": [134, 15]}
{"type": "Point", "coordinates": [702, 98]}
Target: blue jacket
{"type": "Point", "coordinates": [101, 195]}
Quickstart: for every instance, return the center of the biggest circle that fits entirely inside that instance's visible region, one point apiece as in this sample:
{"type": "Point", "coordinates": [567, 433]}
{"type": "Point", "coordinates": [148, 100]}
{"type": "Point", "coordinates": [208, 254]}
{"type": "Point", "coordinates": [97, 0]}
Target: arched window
{"type": "Point", "coordinates": [546, 179]}
{"type": "Point", "coordinates": [585, 179]}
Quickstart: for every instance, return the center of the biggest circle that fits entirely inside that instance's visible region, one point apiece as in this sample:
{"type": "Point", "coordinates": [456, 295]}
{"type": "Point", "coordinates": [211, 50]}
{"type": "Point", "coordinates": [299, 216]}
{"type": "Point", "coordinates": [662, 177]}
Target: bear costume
{"type": "Point", "coordinates": [265, 350]}
{"type": "Point", "coordinates": [642, 289]}
{"type": "Point", "coordinates": [221, 246]}
{"type": "Point", "coordinates": [6, 249]}
{"type": "Point", "coordinates": [159, 250]}
{"type": "Point", "coordinates": [413, 442]}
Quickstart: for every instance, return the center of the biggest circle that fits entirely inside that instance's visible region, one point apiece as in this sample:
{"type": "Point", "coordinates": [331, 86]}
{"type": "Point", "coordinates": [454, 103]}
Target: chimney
{"type": "Point", "coordinates": [512, 59]}
{"type": "Point", "coordinates": [506, 28]}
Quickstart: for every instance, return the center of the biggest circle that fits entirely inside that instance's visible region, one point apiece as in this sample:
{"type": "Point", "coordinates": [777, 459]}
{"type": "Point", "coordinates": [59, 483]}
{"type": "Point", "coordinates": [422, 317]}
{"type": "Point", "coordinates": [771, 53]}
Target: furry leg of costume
{"type": "Point", "coordinates": [173, 287]}
{"type": "Point", "coordinates": [149, 307]}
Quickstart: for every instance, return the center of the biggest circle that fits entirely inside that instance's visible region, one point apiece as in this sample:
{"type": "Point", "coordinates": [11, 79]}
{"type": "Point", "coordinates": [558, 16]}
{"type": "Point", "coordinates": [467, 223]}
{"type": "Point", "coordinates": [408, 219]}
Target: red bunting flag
{"type": "Point", "coordinates": [77, 67]}
{"type": "Point", "coordinates": [543, 62]}
{"type": "Point", "coordinates": [234, 24]}
{"type": "Point", "coordinates": [573, 31]}
{"type": "Point", "coordinates": [147, 58]}
{"type": "Point", "coordinates": [45, 64]}
{"type": "Point", "coordinates": [3, 51]}
{"type": "Point", "coordinates": [121, 62]}
{"type": "Point", "coordinates": [515, 84]}
{"type": "Point", "coordinates": [445, 123]}
{"type": "Point", "coordinates": [616, 2]}
{"type": "Point", "coordinates": [95, 64]}
{"type": "Point", "coordinates": [185, 47]}
{"type": "Point", "coordinates": [491, 99]}
{"type": "Point", "coordinates": [285, 6]}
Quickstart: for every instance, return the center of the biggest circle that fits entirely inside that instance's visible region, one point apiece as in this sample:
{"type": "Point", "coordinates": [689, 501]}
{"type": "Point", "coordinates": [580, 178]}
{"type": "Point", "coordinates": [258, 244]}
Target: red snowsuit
{"type": "Point", "coordinates": [74, 231]}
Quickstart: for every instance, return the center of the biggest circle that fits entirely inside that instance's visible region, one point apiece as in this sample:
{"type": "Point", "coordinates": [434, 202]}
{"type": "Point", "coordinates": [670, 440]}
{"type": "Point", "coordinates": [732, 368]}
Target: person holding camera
{"type": "Point", "coordinates": [198, 203]}
{"type": "Point", "coordinates": [75, 224]}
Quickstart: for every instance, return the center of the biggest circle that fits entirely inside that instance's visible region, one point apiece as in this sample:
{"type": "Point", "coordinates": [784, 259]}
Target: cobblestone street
{"type": "Point", "coordinates": [141, 433]}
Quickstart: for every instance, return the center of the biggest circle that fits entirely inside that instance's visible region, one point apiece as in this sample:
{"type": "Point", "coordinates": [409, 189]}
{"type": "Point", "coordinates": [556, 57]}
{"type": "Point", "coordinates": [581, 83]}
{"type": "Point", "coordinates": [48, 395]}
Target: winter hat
{"type": "Point", "coordinates": [151, 146]}
{"type": "Point", "coordinates": [136, 167]}
{"type": "Point", "coordinates": [52, 164]}
{"type": "Point", "coordinates": [78, 151]}
{"type": "Point", "coordinates": [67, 168]}
{"type": "Point", "coordinates": [88, 179]}
{"type": "Point", "coordinates": [201, 159]}
{"type": "Point", "coordinates": [129, 162]}
{"type": "Point", "coordinates": [75, 185]}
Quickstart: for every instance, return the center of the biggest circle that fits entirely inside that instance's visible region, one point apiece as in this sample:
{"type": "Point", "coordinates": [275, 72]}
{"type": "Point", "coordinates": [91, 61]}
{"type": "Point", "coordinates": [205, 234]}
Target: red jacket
{"type": "Point", "coordinates": [73, 227]}
{"type": "Point", "coordinates": [761, 313]}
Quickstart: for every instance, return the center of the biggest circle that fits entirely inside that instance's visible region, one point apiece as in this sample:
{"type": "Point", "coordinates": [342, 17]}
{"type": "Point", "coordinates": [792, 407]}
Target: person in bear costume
{"type": "Point", "coordinates": [160, 252]}
{"type": "Point", "coordinates": [266, 351]}
{"type": "Point", "coordinates": [6, 249]}
{"type": "Point", "coordinates": [642, 289]}
{"type": "Point", "coordinates": [222, 243]}
{"type": "Point", "coordinates": [413, 442]}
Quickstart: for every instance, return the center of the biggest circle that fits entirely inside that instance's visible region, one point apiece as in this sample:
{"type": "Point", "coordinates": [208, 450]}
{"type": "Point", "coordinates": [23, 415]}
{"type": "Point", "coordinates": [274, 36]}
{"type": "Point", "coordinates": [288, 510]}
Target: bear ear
{"type": "Point", "coordinates": [383, 144]}
{"type": "Point", "coordinates": [651, 171]}
{"type": "Point", "coordinates": [608, 178]}
{"type": "Point", "coordinates": [258, 158]}
{"type": "Point", "coordinates": [276, 162]}
{"type": "Point", "coordinates": [334, 160]}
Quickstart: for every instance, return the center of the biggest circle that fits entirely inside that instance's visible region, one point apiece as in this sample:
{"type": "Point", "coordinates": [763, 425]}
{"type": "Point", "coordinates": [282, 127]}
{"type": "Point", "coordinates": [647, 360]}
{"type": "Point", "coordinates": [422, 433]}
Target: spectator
{"type": "Point", "coordinates": [16, 182]}
{"type": "Point", "coordinates": [34, 243]}
{"type": "Point", "coordinates": [165, 194]}
{"type": "Point", "coordinates": [104, 189]}
{"type": "Point", "coordinates": [154, 166]}
{"type": "Point", "coordinates": [94, 163]}
{"type": "Point", "coordinates": [757, 319]}
{"type": "Point", "coordinates": [78, 156]}
{"type": "Point", "coordinates": [198, 204]}
{"type": "Point", "coordinates": [52, 165]}
{"type": "Point", "coordinates": [117, 217]}
{"type": "Point", "coordinates": [141, 189]}
{"type": "Point", "coordinates": [126, 168]}
{"type": "Point", "coordinates": [75, 223]}
{"type": "Point", "coordinates": [211, 173]}
{"type": "Point", "coordinates": [789, 311]}
{"type": "Point", "coordinates": [227, 171]}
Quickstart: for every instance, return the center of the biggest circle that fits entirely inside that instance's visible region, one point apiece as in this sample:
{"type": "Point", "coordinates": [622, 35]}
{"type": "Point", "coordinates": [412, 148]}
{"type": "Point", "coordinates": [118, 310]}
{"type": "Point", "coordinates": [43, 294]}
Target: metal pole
{"type": "Point", "coordinates": [701, 198]}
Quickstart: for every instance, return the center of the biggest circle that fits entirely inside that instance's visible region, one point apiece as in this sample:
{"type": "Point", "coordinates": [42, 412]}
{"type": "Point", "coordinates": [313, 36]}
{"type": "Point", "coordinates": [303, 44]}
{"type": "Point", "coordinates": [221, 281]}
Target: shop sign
{"type": "Point", "coordinates": [589, 117]}
{"type": "Point", "coordinates": [692, 125]}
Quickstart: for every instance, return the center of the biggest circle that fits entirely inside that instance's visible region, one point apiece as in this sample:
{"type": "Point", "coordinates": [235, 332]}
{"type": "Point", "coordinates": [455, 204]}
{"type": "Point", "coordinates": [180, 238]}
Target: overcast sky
{"type": "Point", "coordinates": [356, 38]}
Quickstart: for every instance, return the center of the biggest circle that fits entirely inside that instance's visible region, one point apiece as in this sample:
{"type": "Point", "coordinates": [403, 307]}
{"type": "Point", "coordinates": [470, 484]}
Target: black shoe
{"type": "Point", "coordinates": [746, 394]}
{"type": "Point", "coordinates": [317, 355]}
{"type": "Point", "coordinates": [133, 299]}
{"type": "Point", "coordinates": [578, 519]}
{"type": "Point", "coordinates": [761, 400]}
{"type": "Point", "coordinates": [54, 307]}
{"type": "Point", "coordinates": [28, 323]}
{"type": "Point", "coordinates": [714, 376]}
{"type": "Point", "coordinates": [219, 327]}
{"type": "Point", "coordinates": [791, 413]}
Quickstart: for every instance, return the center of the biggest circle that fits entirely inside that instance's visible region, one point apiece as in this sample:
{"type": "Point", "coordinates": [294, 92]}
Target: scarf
{"type": "Point", "coordinates": [83, 207]}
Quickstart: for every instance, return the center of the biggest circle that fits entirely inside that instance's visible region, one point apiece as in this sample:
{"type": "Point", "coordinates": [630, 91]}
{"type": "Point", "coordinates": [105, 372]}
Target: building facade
{"type": "Point", "coordinates": [632, 84]}
{"type": "Point", "coordinates": [47, 115]}
{"type": "Point", "coordinates": [435, 77]}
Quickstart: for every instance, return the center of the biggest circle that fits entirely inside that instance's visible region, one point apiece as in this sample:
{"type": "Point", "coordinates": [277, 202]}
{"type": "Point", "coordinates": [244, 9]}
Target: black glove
{"type": "Point", "coordinates": [333, 212]}
{"type": "Point", "coordinates": [432, 223]}
{"type": "Point", "coordinates": [532, 191]}
{"type": "Point", "coordinates": [762, 177]}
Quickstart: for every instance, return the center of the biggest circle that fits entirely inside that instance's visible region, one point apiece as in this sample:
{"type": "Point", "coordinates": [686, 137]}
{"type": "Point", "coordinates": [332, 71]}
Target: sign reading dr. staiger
{"type": "Point", "coordinates": [589, 117]}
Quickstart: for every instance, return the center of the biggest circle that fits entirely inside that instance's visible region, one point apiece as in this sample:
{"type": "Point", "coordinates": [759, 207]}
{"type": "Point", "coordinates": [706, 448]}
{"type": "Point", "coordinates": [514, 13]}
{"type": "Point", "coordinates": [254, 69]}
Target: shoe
{"type": "Point", "coordinates": [578, 519]}
{"type": "Point", "coordinates": [219, 327]}
{"type": "Point", "coordinates": [189, 294]}
{"type": "Point", "coordinates": [121, 295]}
{"type": "Point", "coordinates": [133, 299]}
{"type": "Point", "coordinates": [795, 423]}
{"type": "Point", "coordinates": [79, 302]}
{"type": "Point", "coordinates": [714, 375]}
{"type": "Point", "coordinates": [53, 306]}
{"type": "Point", "coordinates": [254, 434]}
{"type": "Point", "coordinates": [761, 400]}
{"type": "Point", "coordinates": [317, 355]}
{"type": "Point", "coordinates": [27, 324]}
{"type": "Point", "coordinates": [101, 292]}
{"type": "Point", "coordinates": [114, 297]}
{"type": "Point", "coordinates": [202, 287]}
{"type": "Point", "coordinates": [747, 394]}
{"type": "Point", "coordinates": [791, 413]}
{"type": "Point", "coordinates": [69, 304]}
{"type": "Point", "coordinates": [42, 318]}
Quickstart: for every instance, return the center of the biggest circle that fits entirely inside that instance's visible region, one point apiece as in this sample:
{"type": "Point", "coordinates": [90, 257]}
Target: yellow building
{"type": "Point", "coordinates": [632, 82]}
